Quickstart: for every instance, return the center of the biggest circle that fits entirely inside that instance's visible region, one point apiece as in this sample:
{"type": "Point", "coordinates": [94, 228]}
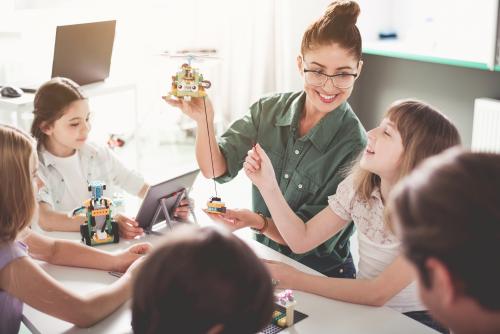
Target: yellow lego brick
{"type": "Point", "coordinates": [100, 212]}
{"type": "Point", "coordinates": [216, 204]}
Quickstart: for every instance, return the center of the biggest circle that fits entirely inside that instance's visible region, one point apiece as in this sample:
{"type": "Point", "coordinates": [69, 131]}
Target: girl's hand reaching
{"type": "Point", "coordinates": [125, 258]}
{"type": "Point", "coordinates": [194, 109]}
{"type": "Point", "coordinates": [236, 219]}
{"type": "Point", "coordinates": [259, 169]}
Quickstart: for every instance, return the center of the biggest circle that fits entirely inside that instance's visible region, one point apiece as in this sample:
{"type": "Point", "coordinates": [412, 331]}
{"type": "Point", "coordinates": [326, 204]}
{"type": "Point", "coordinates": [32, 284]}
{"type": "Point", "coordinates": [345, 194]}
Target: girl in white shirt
{"type": "Point", "coordinates": [410, 132]}
{"type": "Point", "coordinates": [68, 163]}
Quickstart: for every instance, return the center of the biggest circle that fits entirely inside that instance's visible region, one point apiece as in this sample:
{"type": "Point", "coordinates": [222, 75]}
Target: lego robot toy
{"type": "Point", "coordinates": [187, 83]}
{"type": "Point", "coordinates": [99, 228]}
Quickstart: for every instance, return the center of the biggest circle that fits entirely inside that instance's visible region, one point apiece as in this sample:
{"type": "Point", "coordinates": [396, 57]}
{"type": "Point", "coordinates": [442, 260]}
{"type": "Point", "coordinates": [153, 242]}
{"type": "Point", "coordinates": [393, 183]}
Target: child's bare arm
{"type": "Point", "coordinates": [25, 280]}
{"type": "Point", "coordinates": [70, 253]}
{"type": "Point", "coordinates": [375, 292]}
{"type": "Point", "coordinates": [51, 220]}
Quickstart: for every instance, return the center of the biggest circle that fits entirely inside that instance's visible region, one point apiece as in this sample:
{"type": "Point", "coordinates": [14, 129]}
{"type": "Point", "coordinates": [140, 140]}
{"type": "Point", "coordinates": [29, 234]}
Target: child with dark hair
{"type": "Point", "coordinates": [68, 162]}
{"type": "Point", "coordinates": [448, 215]}
{"type": "Point", "coordinates": [202, 280]}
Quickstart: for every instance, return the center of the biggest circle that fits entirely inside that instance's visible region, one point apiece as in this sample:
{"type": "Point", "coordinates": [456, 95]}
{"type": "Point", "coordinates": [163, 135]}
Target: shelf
{"type": "Point", "coordinates": [392, 49]}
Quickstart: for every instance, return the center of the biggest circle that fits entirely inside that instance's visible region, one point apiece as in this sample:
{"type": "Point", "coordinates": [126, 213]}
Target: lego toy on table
{"type": "Point", "coordinates": [99, 228]}
{"type": "Point", "coordinates": [284, 314]}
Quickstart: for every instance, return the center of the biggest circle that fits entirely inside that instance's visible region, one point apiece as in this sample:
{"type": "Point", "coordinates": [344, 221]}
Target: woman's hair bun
{"type": "Point", "coordinates": [344, 12]}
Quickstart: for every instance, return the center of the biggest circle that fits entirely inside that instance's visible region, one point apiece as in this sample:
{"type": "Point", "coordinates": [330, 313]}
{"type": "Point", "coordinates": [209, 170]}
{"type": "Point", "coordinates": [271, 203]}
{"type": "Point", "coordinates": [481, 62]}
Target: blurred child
{"type": "Point", "coordinates": [68, 163]}
{"type": "Point", "coordinates": [448, 216]}
{"type": "Point", "coordinates": [202, 280]}
{"type": "Point", "coordinates": [21, 279]}
{"type": "Point", "coordinates": [410, 132]}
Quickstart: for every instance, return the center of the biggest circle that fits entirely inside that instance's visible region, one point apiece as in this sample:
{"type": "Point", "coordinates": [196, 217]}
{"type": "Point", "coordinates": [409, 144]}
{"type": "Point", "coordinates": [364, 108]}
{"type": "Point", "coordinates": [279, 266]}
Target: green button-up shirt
{"type": "Point", "coordinates": [308, 169]}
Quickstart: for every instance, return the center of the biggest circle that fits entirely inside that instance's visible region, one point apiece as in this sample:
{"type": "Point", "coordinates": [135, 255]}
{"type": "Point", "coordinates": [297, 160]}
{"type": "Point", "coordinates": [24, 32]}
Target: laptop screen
{"type": "Point", "coordinates": [82, 52]}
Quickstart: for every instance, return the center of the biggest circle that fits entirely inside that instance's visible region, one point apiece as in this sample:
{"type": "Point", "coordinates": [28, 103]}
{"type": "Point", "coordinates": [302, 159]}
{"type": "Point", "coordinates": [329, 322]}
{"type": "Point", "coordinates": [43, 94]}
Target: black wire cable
{"type": "Point", "coordinates": [210, 147]}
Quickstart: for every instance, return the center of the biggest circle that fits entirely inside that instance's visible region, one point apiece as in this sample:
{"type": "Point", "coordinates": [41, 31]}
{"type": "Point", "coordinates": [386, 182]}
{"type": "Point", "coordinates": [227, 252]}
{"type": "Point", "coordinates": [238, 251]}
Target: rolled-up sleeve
{"type": "Point", "coordinates": [44, 194]}
{"type": "Point", "coordinates": [237, 140]}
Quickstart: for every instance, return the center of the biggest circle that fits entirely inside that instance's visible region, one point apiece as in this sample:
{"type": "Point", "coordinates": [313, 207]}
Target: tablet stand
{"type": "Point", "coordinates": [162, 207]}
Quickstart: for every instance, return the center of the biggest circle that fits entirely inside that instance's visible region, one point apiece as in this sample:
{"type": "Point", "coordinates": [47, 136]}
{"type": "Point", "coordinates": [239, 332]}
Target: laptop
{"type": "Point", "coordinates": [82, 52]}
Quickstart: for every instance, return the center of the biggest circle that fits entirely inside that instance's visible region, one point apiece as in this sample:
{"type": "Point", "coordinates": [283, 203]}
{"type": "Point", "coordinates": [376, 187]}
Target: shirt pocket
{"type": "Point", "coordinates": [277, 159]}
{"type": "Point", "coordinates": [56, 187]}
{"type": "Point", "coordinates": [301, 190]}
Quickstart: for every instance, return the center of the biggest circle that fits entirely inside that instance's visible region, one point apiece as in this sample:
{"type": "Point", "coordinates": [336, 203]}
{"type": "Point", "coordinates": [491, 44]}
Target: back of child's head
{"type": "Point", "coordinates": [424, 132]}
{"type": "Point", "coordinates": [201, 278]}
{"type": "Point", "coordinates": [448, 209]}
{"type": "Point", "coordinates": [17, 198]}
{"type": "Point", "coordinates": [336, 26]}
{"type": "Point", "coordinates": [51, 101]}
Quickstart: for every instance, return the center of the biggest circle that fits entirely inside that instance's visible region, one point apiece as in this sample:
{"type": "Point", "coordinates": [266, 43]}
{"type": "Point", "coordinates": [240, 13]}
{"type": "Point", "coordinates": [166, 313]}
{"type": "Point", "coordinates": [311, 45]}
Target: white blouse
{"type": "Point", "coordinates": [378, 247]}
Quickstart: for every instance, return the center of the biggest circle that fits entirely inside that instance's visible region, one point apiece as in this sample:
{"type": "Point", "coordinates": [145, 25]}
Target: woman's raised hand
{"type": "Point", "coordinates": [194, 109]}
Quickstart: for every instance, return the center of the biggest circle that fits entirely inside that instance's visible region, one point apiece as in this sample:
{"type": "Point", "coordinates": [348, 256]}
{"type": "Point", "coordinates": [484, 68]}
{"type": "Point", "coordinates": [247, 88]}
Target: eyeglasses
{"type": "Point", "coordinates": [340, 80]}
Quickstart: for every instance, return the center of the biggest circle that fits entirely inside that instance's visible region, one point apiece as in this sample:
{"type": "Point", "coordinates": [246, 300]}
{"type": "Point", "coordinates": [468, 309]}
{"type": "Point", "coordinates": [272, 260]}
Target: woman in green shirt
{"type": "Point", "coordinates": [311, 137]}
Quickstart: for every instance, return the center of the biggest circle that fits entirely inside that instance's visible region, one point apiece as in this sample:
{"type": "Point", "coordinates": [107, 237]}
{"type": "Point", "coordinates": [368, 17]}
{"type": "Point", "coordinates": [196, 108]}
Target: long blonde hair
{"type": "Point", "coordinates": [17, 198]}
{"type": "Point", "coordinates": [424, 132]}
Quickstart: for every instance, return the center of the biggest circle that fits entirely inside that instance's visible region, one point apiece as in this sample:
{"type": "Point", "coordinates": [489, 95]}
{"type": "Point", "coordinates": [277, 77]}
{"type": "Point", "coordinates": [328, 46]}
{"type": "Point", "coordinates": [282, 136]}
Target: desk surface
{"type": "Point", "coordinates": [94, 89]}
{"type": "Point", "coordinates": [325, 315]}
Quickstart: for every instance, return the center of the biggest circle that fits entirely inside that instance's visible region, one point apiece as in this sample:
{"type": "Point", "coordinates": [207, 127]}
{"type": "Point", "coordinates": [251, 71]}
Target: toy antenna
{"type": "Point", "coordinates": [210, 147]}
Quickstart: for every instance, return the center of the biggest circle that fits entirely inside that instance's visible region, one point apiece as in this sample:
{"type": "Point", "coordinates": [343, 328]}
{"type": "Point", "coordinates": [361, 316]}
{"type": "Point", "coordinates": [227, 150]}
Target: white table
{"type": "Point", "coordinates": [324, 315]}
{"type": "Point", "coordinates": [21, 107]}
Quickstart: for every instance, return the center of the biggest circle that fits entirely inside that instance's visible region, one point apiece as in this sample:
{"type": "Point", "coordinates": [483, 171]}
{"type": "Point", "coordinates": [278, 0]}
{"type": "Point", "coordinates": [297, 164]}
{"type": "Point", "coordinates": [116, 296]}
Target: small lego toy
{"type": "Point", "coordinates": [215, 205]}
{"type": "Point", "coordinates": [288, 302]}
{"type": "Point", "coordinates": [98, 228]}
{"type": "Point", "coordinates": [188, 82]}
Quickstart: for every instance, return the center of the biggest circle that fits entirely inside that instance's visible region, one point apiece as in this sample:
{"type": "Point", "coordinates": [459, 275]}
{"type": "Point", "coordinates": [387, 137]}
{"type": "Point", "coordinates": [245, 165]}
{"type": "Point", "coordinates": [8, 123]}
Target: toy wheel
{"type": "Point", "coordinates": [115, 232]}
{"type": "Point", "coordinates": [84, 231]}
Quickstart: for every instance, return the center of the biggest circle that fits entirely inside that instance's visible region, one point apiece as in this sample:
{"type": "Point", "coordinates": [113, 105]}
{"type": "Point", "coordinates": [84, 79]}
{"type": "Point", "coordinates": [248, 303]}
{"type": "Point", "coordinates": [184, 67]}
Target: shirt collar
{"type": "Point", "coordinates": [287, 118]}
{"type": "Point", "coordinates": [322, 133]}
{"type": "Point", "coordinates": [47, 159]}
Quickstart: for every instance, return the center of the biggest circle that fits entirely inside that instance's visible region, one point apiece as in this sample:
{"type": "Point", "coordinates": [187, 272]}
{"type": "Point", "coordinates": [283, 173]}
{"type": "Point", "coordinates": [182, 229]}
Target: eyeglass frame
{"type": "Point", "coordinates": [355, 75]}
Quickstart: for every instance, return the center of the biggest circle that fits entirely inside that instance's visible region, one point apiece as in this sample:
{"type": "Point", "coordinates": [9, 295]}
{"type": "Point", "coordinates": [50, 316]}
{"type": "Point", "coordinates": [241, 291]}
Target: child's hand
{"type": "Point", "coordinates": [135, 267]}
{"type": "Point", "coordinates": [235, 219]}
{"type": "Point", "coordinates": [194, 109]}
{"type": "Point", "coordinates": [284, 274]}
{"type": "Point", "coordinates": [259, 168]}
{"type": "Point", "coordinates": [184, 208]}
{"type": "Point", "coordinates": [130, 255]}
{"type": "Point", "coordinates": [128, 228]}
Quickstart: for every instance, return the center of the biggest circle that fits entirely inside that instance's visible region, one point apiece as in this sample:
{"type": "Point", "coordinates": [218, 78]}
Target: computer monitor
{"type": "Point", "coordinates": [82, 52]}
